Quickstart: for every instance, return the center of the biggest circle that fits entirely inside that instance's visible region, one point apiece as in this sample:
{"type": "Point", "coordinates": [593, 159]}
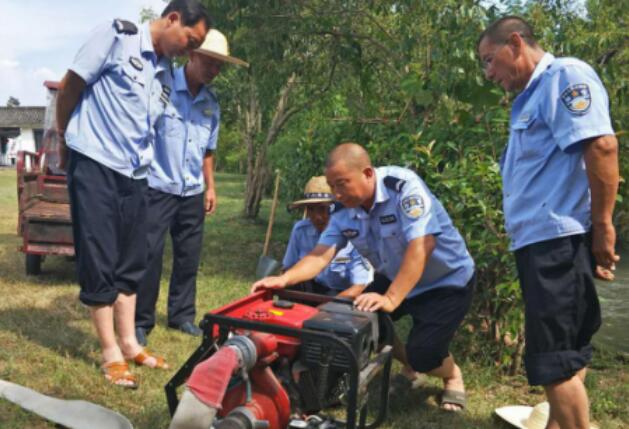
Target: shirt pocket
{"type": "Point", "coordinates": [134, 79]}
{"type": "Point", "coordinates": [339, 266]}
{"type": "Point", "coordinates": [392, 240]}
{"type": "Point", "coordinates": [174, 126]}
{"type": "Point", "coordinates": [367, 249]}
{"type": "Point", "coordinates": [204, 131]}
{"type": "Point", "coordinates": [529, 139]}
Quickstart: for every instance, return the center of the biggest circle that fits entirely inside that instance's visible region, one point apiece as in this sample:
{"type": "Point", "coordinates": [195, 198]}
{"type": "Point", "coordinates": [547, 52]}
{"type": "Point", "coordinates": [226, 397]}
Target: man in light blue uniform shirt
{"type": "Point", "coordinates": [107, 105]}
{"type": "Point", "coordinates": [348, 269]}
{"type": "Point", "coordinates": [181, 185]}
{"type": "Point", "coordinates": [421, 262]}
{"type": "Point", "coordinates": [560, 178]}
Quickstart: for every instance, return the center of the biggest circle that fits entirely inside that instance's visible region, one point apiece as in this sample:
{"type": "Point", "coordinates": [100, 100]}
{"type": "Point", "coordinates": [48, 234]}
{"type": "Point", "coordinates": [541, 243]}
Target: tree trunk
{"type": "Point", "coordinates": [253, 119]}
{"type": "Point", "coordinates": [256, 153]}
{"type": "Point", "coordinates": [516, 363]}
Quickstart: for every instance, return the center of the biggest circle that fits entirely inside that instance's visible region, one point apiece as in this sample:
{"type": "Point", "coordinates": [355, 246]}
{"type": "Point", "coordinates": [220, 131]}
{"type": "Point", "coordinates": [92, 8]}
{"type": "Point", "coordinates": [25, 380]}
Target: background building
{"type": "Point", "coordinates": [21, 128]}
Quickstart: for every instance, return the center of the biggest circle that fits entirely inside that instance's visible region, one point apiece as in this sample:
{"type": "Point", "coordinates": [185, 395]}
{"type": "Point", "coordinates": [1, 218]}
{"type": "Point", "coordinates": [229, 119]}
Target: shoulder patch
{"type": "Point", "coordinates": [413, 206]}
{"type": "Point", "coordinates": [125, 27]}
{"type": "Point", "coordinates": [350, 233]}
{"type": "Point", "coordinates": [394, 183]}
{"type": "Point", "coordinates": [577, 98]}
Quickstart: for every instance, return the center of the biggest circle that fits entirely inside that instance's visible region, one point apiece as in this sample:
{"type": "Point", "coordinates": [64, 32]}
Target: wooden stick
{"type": "Point", "coordinates": [269, 228]}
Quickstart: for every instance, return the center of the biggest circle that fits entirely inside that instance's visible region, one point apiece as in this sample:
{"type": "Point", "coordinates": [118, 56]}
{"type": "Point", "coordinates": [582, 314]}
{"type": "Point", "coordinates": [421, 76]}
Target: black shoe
{"type": "Point", "coordinates": [141, 334]}
{"type": "Point", "coordinates": [188, 328]}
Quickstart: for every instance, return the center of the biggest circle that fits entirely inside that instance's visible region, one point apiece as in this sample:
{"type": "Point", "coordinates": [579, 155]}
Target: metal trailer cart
{"type": "Point", "coordinates": [44, 220]}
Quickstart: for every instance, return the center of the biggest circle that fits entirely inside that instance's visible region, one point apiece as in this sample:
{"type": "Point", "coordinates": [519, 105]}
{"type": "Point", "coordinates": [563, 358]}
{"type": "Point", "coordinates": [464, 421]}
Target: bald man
{"type": "Point", "coordinates": [422, 265]}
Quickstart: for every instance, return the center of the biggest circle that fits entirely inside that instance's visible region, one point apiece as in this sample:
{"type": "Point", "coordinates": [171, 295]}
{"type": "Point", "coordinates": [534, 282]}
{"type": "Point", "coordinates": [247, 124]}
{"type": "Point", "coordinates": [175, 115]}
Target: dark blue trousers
{"type": "Point", "coordinates": [110, 235]}
{"type": "Point", "coordinates": [183, 217]}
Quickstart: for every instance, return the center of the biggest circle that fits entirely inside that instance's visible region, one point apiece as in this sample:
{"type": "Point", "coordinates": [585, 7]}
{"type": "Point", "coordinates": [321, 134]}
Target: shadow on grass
{"type": "Point", "coordinates": [419, 408]}
{"type": "Point", "coordinates": [56, 269]}
{"type": "Point", "coordinates": [52, 327]}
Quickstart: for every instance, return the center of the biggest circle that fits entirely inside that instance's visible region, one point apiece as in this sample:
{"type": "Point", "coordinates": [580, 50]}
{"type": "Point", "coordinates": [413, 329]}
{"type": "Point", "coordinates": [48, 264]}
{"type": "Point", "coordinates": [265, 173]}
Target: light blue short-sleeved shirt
{"type": "Point", "coordinates": [546, 191]}
{"type": "Point", "coordinates": [347, 268]}
{"type": "Point", "coordinates": [113, 121]}
{"type": "Point", "coordinates": [404, 209]}
{"type": "Point", "coordinates": [188, 129]}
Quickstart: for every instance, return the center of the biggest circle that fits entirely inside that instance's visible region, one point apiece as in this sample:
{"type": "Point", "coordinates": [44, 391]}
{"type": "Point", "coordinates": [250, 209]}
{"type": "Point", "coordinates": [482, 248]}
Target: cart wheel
{"type": "Point", "coordinates": [33, 264]}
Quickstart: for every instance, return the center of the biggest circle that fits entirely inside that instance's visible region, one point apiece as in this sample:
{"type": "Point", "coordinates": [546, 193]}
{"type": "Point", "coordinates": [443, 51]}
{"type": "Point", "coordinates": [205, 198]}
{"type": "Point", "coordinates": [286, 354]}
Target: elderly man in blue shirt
{"type": "Point", "coordinates": [422, 265]}
{"type": "Point", "coordinates": [181, 184]}
{"type": "Point", "coordinates": [107, 105]}
{"type": "Point", "coordinates": [348, 269]}
{"type": "Point", "coordinates": [560, 178]}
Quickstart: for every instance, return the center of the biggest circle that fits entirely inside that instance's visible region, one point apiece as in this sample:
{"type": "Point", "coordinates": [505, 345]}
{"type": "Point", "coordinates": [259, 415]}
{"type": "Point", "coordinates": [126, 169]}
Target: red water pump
{"type": "Point", "coordinates": [276, 359]}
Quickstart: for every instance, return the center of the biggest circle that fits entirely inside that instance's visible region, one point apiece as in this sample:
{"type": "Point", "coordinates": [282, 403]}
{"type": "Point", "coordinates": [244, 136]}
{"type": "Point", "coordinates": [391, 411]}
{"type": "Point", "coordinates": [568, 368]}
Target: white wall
{"type": "Point", "coordinates": [25, 141]}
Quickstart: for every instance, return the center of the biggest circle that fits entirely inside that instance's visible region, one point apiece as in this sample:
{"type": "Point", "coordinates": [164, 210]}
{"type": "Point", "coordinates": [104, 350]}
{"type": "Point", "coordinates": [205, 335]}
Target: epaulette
{"type": "Point", "coordinates": [337, 207]}
{"type": "Point", "coordinates": [394, 183]}
{"type": "Point", "coordinates": [125, 27]}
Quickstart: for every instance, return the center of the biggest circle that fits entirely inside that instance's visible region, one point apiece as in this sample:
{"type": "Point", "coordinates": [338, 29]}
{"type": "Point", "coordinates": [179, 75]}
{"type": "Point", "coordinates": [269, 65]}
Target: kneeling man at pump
{"type": "Point", "coordinates": [422, 265]}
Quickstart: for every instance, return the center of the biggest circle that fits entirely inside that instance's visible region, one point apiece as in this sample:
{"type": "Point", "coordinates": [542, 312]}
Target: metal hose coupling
{"type": "Point", "coordinates": [245, 349]}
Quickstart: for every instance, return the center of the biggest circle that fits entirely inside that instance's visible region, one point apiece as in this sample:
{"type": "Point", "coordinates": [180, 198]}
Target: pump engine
{"type": "Point", "coordinates": [277, 359]}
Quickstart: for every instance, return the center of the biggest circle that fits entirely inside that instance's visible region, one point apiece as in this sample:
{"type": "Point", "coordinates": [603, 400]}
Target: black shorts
{"type": "Point", "coordinates": [110, 229]}
{"type": "Point", "coordinates": [561, 307]}
{"type": "Point", "coordinates": [437, 314]}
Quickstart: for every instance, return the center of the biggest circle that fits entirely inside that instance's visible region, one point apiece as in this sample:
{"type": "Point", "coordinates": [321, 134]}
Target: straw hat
{"type": "Point", "coordinates": [316, 191]}
{"type": "Point", "coordinates": [524, 417]}
{"type": "Point", "coordinates": [215, 45]}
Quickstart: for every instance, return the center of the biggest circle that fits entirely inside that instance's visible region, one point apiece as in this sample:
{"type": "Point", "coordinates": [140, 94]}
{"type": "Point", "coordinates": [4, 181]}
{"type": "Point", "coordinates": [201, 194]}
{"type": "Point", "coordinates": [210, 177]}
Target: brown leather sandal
{"type": "Point", "coordinates": [118, 374]}
{"type": "Point", "coordinates": [145, 354]}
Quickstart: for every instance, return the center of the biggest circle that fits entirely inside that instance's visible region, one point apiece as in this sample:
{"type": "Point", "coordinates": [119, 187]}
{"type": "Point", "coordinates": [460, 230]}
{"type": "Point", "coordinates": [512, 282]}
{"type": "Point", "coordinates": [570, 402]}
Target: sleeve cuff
{"type": "Point", "coordinates": [82, 73]}
{"type": "Point", "coordinates": [568, 139]}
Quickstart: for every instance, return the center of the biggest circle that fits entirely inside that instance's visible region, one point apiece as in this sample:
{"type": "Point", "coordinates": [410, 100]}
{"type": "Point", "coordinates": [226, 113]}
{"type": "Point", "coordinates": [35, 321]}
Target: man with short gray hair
{"type": "Point", "coordinates": [560, 178]}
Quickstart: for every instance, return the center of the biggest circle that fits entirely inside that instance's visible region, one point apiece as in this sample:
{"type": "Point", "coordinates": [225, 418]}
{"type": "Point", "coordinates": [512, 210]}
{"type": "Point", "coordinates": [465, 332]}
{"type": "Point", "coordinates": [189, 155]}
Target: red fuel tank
{"type": "Point", "coordinates": [260, 307]}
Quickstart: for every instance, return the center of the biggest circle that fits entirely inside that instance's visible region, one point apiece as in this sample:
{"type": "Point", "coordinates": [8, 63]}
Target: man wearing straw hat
{"type": "Point", "coordinates": [181, 184]}
{"type": "Point", "coordinates": [348, 271]}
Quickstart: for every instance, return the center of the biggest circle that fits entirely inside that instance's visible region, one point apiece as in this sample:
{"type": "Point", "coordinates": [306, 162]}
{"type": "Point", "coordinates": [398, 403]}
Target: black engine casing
{"type": "Point", "coordinates": [358, 328]}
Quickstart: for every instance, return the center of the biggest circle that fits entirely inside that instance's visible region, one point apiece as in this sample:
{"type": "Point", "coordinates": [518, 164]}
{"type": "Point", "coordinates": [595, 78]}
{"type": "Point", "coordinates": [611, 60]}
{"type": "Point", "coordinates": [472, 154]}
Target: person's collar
{"type": "Point", "coordinates": [381, 195]}
{"type": "Point", "coordinates": [312, 230]}
{"type": "Point", "coordinates": [543, 64]}
{"type": "Point", "coordinates": [146, 42]}
{"type": "Point", "coordinates": [181, 84]}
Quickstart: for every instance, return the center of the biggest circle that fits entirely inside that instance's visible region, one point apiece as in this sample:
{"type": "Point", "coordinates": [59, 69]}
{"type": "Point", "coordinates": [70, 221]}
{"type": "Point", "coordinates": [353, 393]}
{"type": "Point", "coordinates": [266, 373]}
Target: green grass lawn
{"type": "Point", "coordinates": [47, 343]}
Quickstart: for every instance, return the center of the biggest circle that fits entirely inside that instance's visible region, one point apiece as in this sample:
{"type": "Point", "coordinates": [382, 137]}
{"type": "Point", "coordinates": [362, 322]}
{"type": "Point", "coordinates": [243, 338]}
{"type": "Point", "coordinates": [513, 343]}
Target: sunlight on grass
{"type": "Point", "coordinates": [47, 342]}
